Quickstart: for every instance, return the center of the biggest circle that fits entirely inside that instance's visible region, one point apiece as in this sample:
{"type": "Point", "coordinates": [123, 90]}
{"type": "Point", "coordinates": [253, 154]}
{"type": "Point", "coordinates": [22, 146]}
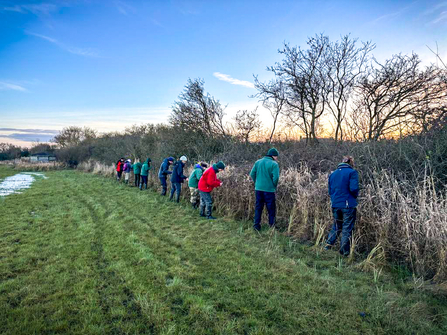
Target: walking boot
{"type": "Point", "coordinates": [209, 215]}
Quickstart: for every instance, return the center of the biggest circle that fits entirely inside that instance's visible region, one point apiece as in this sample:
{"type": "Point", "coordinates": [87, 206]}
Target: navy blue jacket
{"type": "Point", "coordinates": [344, 186]}
{"type": "Point", "coordinates": [177, 173]}
{"type": "Point", "coordinates": [164, 168]}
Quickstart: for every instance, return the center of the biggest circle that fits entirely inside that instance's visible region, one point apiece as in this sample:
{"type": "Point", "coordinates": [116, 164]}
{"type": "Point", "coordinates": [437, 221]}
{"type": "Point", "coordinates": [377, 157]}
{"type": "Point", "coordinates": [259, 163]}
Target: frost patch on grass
{"type": "Point", "coordinates": [38, 174]}
{"type": "Point", "coordinates": [18, 182]}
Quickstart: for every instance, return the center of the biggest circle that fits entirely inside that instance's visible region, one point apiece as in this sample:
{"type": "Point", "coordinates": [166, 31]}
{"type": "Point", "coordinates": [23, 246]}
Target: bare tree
{"type": "Point", "coordinates": [197, 111]}
{"type": "Point", "coordinates": [246, 123]}
{"type": "Point", "coordinates": [438, 56]}
{"type": "Point", "coordinates": [73, 135]}
{"type": "Point", "coordinates": [272, 96]}
{"type": "Point", "coordinates": [302, 76]}
{"type": "Point", "coordinates": [345, 63]}
{"type": "Point", "coordinates": [394, 94]}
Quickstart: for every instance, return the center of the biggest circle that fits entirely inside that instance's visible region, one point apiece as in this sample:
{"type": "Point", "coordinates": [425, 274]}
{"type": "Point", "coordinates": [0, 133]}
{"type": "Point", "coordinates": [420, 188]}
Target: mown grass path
{"type": "Point", "coordinates": [81, 254]}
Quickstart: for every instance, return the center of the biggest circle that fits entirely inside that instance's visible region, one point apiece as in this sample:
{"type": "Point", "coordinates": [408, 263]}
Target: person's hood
{"type": "Point", "coordinates": [198, 166]}
{"type": "Point", "coordinates": [147, 161]}
{"type": "Point", "coordinates": [166, 160]}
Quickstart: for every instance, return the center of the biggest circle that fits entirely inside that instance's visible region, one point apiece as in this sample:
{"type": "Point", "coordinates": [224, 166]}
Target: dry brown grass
{"type": "Point", "coordinates": [22, 164]}
{"type": "Point", "coordinates": [395, 222]}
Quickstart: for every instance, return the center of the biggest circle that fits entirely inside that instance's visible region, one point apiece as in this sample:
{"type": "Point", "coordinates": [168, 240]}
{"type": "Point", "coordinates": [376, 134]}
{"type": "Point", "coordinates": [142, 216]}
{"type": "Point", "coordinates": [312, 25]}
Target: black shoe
{"type": "Point", "coordinates": [210, 217]}
{"type": "Point", "coordinates": [202, 215]}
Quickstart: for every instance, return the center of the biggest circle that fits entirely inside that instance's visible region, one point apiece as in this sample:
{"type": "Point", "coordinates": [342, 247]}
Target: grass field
{"type": "Point", "coordinates": [82, 254]}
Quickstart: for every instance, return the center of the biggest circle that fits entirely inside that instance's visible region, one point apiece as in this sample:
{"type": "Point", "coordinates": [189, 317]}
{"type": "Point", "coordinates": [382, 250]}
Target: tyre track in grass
{"type": "Point", "coordinates": [198, 259]}
{"type": "Point", "coordinates": [168, 251]}
{"type": "Point", "coordinates": [166, 237]}
{"type": "Point", "coordinates": [256, 296]}
{"type": "Point", "coordinates": [111, 286]}
{"type": "Point", "coordinates": [47, 241]}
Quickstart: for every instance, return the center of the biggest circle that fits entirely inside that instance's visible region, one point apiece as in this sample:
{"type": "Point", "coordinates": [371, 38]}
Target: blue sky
{"type": "Point", "coordinates": [110, 64]}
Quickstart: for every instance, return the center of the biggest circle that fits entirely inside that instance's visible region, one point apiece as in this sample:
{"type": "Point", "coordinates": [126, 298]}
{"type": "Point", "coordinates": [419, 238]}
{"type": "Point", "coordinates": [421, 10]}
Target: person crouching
{"type": "Point", "coordinates": [177, 178]}
{"type": "Point", "coordinates": [207, 183]}
{"type": "Point", "coordinates": [193, 183]}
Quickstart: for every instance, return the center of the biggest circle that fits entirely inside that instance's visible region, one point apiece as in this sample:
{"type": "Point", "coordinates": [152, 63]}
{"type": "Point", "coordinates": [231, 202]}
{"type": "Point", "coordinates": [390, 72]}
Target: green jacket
{"type": "Point", "coordinates": [265, 174]}
{"type": "Point", "coordinates": [137, 168]}
{"type": "Point", "coordinates": [145, 168]}
{"type": "Point", "coordinates": [195, 176]}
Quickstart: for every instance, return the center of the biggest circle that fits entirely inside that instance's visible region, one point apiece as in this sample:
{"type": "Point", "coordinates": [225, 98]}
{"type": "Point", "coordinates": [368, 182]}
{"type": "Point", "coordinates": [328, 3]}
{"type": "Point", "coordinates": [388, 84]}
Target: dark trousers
{"type": "Point", "coordinates": [206, 203]}
{"type": "Point", "coordinates": [164, 185]}
{"type": "Point", "coordinates": [177, 189]}
{"type": "Point", "coordinates": [344, 220]}
{"type": "Point", "coordinates": [118, 175]}
{"type": "Point", "coordinates": [269, 200]}
{"type": "Point", "coordinates": [143, 182]}
{"type": "Point", "coordinates": [137, 180]}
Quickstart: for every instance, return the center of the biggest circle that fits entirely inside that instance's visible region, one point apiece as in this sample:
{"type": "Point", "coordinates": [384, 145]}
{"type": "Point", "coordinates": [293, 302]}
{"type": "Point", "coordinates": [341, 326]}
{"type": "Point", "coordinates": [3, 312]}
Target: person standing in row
{"type": "Point", "coordinates": [207, 183]}
{"type": "Point", "coordinates": [119, 168]}
{"type": "Point", "coordinates": [126, 169]}
{"type": "Point", "coordinates": [343, 188]}
{"type": "Point", "coordinates": [163, 174]}
{"type": "Point", "coordinates": [137, 171]}
{"type": "Point", "coordinates": [193, 183]}
{"type": "Point", "coordinates": [145, 173]}
{"type": "Point", "coordinates": [265, 174]}
{"type": "Point", "coordinates": [177, 178]}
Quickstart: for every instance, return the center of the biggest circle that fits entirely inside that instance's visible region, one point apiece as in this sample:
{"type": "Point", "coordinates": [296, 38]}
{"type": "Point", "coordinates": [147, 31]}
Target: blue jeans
{"type": "Point", "coordinates": [206, 203]}
{"type": "Point", "coordinates": [143, 182]}
{"type": "Point", "coordinates": [175, 188]}
{"type": "Point", "coordinates": [269, 200]}
{"type": "Point", "coordinates": [164, 185]}
{"type": "Point", "coordinates": [344, 220]}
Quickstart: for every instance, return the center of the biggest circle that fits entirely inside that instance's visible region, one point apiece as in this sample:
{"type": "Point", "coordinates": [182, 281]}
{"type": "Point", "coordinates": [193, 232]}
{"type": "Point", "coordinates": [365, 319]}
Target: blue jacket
{"type": "Point", "coordinates": [127, 167]}
{"type": "Point", "coordinates": [164, 168]}
{"type": "Point", "coordinates": [344, 186]}
{"type": "Point", "coordinates": [177, 173]}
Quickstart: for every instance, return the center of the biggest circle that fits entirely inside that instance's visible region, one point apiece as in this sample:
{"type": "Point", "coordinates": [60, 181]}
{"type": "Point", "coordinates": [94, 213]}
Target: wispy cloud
{"type": "Point", "coordinates": [124, 8]}
{"type": "Point", "coordinates": [440, 18]}
{"type": "Point", "coordinates": [33, 131]}
{"type": "Point", "coordinates": [30, 137]}
{"type": "Point", "coordinates": [49, 39]}
{"type": "Point", "coordinates": [392, 15]}
{"type": "Point", "coordinates": [36, 9]}
{"type": "Point", "coordinates": [4, 86]}
{"type": "Point", "coordinates": [229, 79]}
{"type": "Point", "coordinates": [435, 8]}
{"type": "Point", "coordinates": [26, 135]}
{"type": "Point", "coordinates": [87, 52]}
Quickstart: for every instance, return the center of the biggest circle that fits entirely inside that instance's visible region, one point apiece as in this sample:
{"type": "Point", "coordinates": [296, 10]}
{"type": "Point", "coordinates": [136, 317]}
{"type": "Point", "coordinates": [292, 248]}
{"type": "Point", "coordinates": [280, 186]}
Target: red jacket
{"type": "Point", "coordinates": [119, 166]}
{"type": "Point", "coordinates": [208, 181]}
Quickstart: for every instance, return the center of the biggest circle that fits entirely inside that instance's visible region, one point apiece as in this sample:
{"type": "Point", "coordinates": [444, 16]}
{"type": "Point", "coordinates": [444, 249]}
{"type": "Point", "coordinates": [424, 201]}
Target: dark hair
{"type": "Point", "coordinates": [203, 165]}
